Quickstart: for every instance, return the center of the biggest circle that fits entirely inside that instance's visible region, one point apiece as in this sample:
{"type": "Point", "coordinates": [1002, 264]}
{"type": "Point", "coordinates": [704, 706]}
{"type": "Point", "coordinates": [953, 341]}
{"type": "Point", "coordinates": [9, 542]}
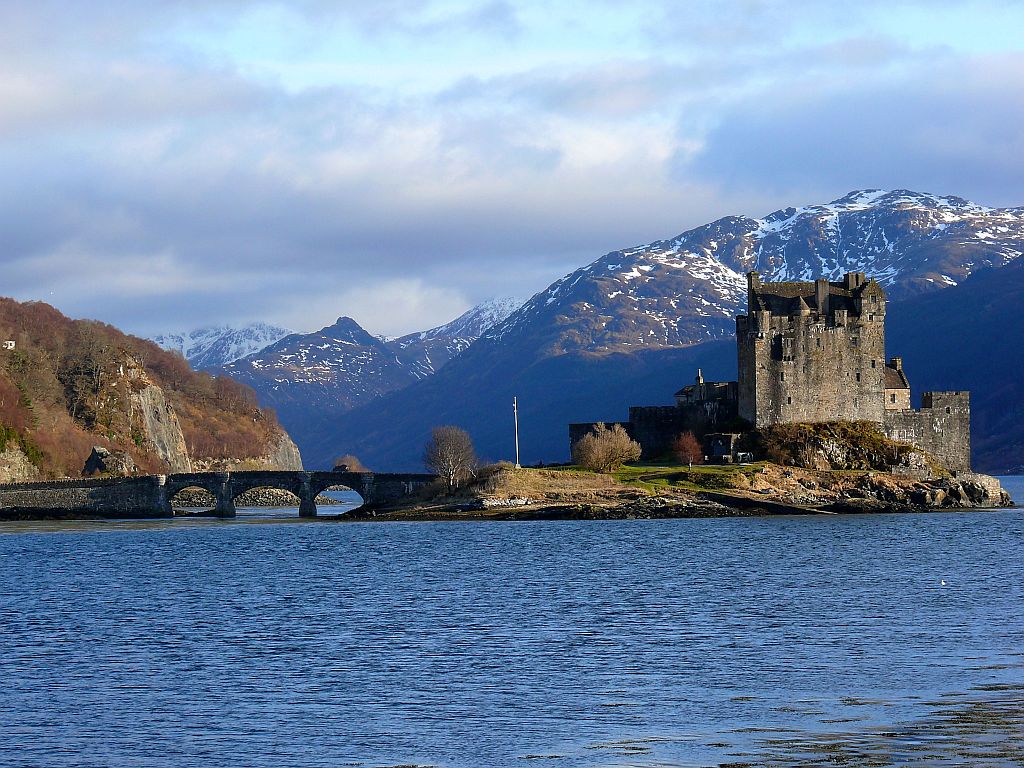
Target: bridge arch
{"type": "Point", "coordinates": [194, 497]}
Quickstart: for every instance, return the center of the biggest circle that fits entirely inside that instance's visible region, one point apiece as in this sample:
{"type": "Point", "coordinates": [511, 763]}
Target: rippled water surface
{"type": "Point", "coordinates": [275, 642]}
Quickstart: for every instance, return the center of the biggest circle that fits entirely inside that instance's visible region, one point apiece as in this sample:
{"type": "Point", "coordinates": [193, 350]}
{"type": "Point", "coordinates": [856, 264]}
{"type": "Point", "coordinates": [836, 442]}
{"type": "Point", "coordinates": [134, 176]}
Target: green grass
{"type": "Point", "coordinates": [654, 477]}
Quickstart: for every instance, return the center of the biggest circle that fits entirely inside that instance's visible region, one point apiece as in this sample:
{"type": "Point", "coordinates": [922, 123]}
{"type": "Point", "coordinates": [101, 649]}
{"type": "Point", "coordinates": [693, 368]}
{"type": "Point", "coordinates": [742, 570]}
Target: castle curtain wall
{"type": "Point", "coordinates": [942, 427]}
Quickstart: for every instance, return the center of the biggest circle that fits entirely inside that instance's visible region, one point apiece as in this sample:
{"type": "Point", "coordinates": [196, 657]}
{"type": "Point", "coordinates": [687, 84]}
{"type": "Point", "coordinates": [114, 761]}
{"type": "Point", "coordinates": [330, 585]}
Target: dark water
{"type": "Point", "coordinates": [642, 643]}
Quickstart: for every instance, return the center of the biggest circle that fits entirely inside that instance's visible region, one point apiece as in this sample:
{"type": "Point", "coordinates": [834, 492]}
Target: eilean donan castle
{"type": "Point", "coordinates": [809, 352]}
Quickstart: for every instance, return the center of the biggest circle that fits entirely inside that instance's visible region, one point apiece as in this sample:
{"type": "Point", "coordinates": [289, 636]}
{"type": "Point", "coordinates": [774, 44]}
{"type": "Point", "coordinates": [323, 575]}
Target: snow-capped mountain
{"type": "Point", "coordinates": [687, 289]}
{"type": "Point", "coordinates": [634, 325]}
{"type": "Point", "coordinates": [308, 376]}
{"type": "Point", "coordinates": [330, 370]}
{"type": "Point", "coordinates": [426, 352]}
{"type": "Point", "coordinates": [212, 347]}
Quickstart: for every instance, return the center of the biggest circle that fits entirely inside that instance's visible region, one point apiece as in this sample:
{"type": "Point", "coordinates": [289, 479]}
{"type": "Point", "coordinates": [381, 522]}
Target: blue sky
{"type": "Point", "coordinates": [166, 164]}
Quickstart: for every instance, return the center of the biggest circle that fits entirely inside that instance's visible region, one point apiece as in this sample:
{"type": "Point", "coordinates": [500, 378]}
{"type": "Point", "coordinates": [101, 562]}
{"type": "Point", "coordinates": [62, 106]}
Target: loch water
{"type": "Point", "coordinates": [270, 641]}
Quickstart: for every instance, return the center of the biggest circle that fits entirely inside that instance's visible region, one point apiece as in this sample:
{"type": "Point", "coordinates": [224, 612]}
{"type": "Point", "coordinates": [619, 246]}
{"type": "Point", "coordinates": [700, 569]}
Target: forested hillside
{"type": "Point", "coordinates": [69, 385]}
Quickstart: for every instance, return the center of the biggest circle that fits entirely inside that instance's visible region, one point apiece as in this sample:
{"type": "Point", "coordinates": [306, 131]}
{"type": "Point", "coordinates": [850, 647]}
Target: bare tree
{"type": "Point", "coordinates": [603, 449]}
{"type": "Point", "coordinates": [688, 449]}
{"type": "Point", "coordinates": [450, 453]}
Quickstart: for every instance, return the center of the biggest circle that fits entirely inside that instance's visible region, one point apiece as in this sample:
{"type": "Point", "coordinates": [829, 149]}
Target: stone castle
{"type": "Point", "coordinates": [808, 352]}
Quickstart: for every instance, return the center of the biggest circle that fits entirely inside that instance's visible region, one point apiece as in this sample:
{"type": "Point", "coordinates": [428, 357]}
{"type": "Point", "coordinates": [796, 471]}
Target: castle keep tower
{"type": "Point", "coordinates": [812, 351]}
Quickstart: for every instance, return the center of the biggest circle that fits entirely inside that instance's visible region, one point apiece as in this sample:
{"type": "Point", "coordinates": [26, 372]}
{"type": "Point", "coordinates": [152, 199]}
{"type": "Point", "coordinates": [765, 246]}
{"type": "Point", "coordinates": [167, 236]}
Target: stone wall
{"type": "Point", "coordinates": [656, 427]}
{"type": "Point", "coordinates": [942, 427]}
{"type": "Point", "coordinates": [135, 497]}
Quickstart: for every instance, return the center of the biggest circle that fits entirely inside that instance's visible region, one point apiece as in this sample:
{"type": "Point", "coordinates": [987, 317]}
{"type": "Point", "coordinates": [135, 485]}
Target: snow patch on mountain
{"type": "Point", "coordinates": [427, 351]}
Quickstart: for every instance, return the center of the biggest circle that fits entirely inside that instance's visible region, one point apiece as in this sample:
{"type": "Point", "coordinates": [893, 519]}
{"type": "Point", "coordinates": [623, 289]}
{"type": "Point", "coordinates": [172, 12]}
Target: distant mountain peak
{"type": "Point", "coordinates": [214, 346]}
{"type": "Point", "coordinates": [306, 377]}
{"type": "Point", "coordinates": [427, 351]}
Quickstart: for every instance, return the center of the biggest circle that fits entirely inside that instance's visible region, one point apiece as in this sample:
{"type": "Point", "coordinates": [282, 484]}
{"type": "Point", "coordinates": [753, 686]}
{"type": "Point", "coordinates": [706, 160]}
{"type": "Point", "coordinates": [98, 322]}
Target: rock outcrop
{"type": "Point", "coordinates": [15, 466]}
{"type": "Point", "coordinates": [284, 454]}
{"type": "Point", "coordinates": [104, 462]}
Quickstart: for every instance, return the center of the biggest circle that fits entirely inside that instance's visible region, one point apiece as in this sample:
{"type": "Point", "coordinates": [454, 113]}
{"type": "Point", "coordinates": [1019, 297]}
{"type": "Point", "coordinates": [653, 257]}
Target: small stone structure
{"type": "Point", "coordinates": [810, 352]}
{"type": "Point", "coordinates": [150, 495]}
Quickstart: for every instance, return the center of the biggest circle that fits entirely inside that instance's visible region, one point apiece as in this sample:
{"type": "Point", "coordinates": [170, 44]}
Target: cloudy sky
{"type": "Point", "coordinates": [166, 164]}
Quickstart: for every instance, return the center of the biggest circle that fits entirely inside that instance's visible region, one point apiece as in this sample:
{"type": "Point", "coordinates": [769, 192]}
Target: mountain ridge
{"type": "Point", "coordinates": [308, 377]}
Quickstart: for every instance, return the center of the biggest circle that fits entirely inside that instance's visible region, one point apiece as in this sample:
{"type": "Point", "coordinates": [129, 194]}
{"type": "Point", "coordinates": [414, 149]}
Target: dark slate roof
{"type": "Point", "coordinates": [895, 378]}
{"type": "Point", "coordinates": [785, 298]}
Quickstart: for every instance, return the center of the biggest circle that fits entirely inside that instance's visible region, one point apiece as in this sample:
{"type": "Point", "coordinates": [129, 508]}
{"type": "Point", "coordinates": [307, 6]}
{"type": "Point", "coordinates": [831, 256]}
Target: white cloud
{"type": "Point", "coordinates": [152, 141]}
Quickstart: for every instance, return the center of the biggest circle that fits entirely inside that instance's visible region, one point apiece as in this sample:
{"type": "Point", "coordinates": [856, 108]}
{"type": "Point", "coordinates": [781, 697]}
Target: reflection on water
{"type": "Point", "coordinates": [858, 640]}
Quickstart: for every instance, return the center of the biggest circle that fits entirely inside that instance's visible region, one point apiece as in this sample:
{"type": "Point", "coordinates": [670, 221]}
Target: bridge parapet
{"type": "Point", "coordinates": [127, 497]}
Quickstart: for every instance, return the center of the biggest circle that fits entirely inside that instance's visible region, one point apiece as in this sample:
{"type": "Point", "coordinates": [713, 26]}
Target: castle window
{"type": "Point", "coordinates": [871, 317]}
{"type": "Point", "coordinates": [854, 341]}
{"type": "Point", "coordinates": [789, 401]}
{"type": "Point", "coordinates": [873, 363]}
{"type": "Point", "coordinates": [782, 376]}
{"type": "Point", "coordinates": [858, 377]}
{"type": "Point", "coordinates": [819, 343]}
{"type": "Point", "coordinates": [892, 398]}
{"type": "Point", "coordinates": [874, 299]}
{"type": "Point", "coordinates": [947, 409]}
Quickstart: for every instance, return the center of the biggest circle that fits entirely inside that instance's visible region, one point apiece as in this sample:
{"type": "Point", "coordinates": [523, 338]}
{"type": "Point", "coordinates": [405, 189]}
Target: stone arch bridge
{"type": "Point", "coordinates": [150, 495]}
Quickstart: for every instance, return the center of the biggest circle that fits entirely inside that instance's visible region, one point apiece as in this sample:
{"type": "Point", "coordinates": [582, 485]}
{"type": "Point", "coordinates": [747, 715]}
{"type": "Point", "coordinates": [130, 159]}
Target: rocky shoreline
{"type": "Point", "coordinates": [769, 490]}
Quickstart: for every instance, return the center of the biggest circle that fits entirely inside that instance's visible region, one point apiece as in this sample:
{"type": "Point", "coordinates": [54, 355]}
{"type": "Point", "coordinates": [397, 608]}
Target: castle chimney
{"type": "Point", "coordinates": [700, 376]}
{"type": "Point", "coordinates": [753, 283]}
{"type": "Point", "coordinates": [853, 280]}
{"type": "Point", "coordinates": [897, 363]}
{"type": "Point", "coordinates": [821, 291]}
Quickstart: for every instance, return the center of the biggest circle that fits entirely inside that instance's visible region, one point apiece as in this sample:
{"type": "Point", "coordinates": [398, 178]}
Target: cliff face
{"type": "Point", "coordinates": [70, 385]}
{"type": "Point", "coordinates": [284, 454]}
{"type": "Point", "coordinates": [163, 431]}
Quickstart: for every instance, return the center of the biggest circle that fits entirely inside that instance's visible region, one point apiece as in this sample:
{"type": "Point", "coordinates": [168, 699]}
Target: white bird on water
{"type": "Point", "coordinates": [942, 582]}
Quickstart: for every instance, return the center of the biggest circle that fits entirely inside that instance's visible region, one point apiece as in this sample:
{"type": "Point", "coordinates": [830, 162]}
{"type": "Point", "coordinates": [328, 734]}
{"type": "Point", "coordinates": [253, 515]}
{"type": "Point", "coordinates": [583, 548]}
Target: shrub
{"type": "Point", "coordinates": [604, 449]}
{"type": "Point", "coordinates": [351, 463]}
{"type": "Point", "coordinates": [688, 449]}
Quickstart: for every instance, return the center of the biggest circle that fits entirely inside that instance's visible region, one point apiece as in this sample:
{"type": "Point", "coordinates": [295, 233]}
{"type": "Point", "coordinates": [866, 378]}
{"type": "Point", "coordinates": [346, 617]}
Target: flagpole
{"type": "Point", "coordinates": [515, 415]}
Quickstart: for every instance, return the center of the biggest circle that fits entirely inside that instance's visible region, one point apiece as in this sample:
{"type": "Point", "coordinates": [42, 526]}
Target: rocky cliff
{"type": "Point", "coordinates": [68, 386]}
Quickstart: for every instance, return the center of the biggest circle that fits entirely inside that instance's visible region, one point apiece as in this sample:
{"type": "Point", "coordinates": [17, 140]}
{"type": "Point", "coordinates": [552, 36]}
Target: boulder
{"type": "Point", "coordinates": [105, 462]}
